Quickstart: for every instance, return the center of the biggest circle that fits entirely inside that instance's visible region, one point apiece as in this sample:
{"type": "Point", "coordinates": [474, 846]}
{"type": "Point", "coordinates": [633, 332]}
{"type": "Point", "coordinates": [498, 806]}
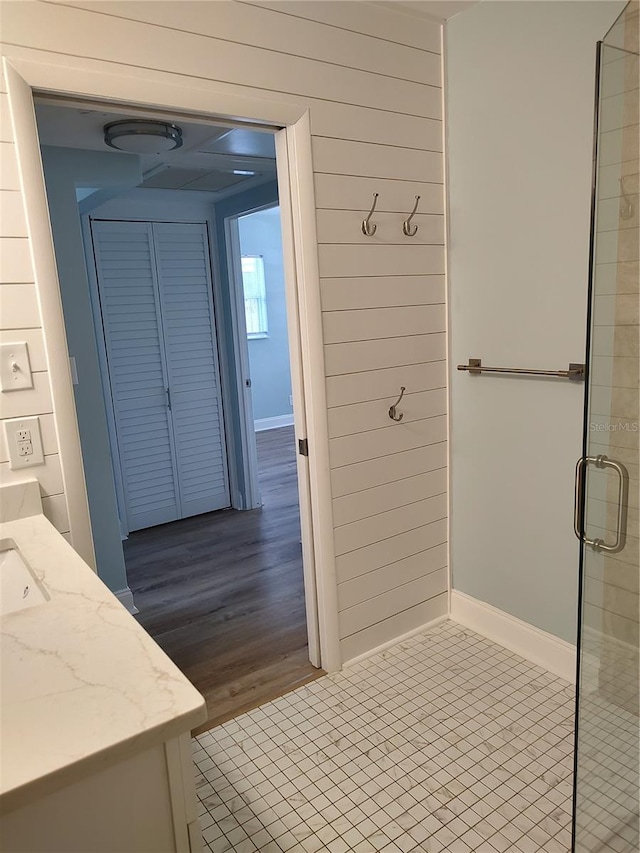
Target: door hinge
{"type": "Point", "coordinates": [303, 446]}
{"type": "Point", "coordinates": [169, 399]}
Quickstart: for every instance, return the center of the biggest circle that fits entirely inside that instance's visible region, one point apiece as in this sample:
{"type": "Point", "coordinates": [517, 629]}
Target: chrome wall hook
{"type": "Point", "coordinates": [368, 228]}
{"type": "Point", "coordinates": [392, 409]}
{"type": "Point", "coordinates": [407, 230]}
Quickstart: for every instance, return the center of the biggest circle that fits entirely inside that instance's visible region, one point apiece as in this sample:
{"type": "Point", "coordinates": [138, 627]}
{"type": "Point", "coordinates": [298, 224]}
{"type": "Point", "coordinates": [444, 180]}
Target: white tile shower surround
{"type": "Point", "coordinates": [446, 741]}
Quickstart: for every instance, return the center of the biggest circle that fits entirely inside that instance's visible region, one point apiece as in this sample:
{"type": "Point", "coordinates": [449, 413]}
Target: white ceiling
{"type": "Point", "coordinates": [206, 161]}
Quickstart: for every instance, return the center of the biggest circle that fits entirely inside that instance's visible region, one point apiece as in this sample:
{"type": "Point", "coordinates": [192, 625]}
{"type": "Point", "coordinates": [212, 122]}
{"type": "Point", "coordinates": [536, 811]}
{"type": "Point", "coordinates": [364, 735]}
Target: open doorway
{"type": "Point", "coordinates": [213, 552]}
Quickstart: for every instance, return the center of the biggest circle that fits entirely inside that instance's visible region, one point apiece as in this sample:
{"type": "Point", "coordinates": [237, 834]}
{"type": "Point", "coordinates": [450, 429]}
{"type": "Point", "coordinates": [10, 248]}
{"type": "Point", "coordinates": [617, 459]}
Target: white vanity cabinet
{"type": "Point", "coordinates": [144, 804]}
{"type": "Point", "coordinates": [95, 750]}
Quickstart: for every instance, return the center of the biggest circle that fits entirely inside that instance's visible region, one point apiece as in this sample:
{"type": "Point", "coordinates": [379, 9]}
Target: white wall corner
{"type": "Point", "coordinates": [543, 649]}
{"type": "Point", "coordinates": [125, 597]}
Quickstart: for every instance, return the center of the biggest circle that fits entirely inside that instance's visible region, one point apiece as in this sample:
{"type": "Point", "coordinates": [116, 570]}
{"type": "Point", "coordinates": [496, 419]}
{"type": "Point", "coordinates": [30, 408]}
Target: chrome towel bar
{"type": "Point", "coordinates": [475, 367]}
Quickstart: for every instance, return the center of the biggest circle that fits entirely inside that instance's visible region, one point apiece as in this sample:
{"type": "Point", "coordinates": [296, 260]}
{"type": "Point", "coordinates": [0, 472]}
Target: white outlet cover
{"type": "Point", "coordinates": [15, 370]}
{"type": "Point", "coordinates": [11, 429]}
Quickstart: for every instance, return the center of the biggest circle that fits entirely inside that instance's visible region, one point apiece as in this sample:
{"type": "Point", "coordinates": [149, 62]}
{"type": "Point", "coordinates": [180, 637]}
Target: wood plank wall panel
{"type": "Point", "coordinates": [393, 550]}
{"type": "Point", "coordinates": [375, 21]}
{"type": "Point", "coordinates": [371, 78]}
{"type": "Point", "coordinates": [20, 321]}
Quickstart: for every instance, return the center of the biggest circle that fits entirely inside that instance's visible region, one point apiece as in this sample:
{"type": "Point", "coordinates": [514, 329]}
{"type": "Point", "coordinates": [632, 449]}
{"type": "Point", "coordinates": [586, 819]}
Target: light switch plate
{"type": "Point", "coordinates": [15, 370]}
{"type": "Point", "coordinates": [20, 433]}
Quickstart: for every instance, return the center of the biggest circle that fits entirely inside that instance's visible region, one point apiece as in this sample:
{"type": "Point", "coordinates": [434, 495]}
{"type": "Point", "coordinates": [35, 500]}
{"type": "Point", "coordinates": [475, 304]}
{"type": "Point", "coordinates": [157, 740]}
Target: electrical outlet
{"type": "Point", "coordinates": [24, 442]}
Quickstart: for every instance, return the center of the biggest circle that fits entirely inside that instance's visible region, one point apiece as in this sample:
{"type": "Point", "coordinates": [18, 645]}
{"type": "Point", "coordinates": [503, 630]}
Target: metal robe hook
{"type": "Point", "coordinates": [407, 230]}
{"type": "Point", "coordinates": [370, 229]}
{"type": "Point", "coordinates": [392, 409]}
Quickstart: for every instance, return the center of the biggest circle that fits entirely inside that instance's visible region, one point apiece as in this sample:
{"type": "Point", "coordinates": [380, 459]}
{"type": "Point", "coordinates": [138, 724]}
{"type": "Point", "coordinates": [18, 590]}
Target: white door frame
{"type": "Point", "coordinates": [103, 363]}
{"type": "Point", "coordinates": [242, 366]}
{"type": "Point", "coordinates": [25, 71]}
{"type": "Point", "coordinates": [232, 236]}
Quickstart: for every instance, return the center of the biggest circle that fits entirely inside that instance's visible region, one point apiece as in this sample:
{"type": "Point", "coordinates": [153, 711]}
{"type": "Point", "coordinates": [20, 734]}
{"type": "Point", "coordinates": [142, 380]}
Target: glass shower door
{"type": "Point", "coordinates": [606, 803]}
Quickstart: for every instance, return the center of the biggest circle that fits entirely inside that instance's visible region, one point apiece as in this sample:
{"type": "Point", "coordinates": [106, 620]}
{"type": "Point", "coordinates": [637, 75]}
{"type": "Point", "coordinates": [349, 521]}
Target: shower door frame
{"type": "Point", "coordinates": [582, 494]}
{"type": "Point", "coordinates": [581, 479]}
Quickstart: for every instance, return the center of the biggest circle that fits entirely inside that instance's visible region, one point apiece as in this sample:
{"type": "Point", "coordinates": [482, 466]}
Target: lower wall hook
{"type": "Point", "coordinates": [392, 409]}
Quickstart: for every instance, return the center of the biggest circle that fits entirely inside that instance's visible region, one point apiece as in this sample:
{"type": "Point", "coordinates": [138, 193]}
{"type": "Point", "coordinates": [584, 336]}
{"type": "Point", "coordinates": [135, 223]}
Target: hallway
{"type": "Point", "coordinates": [446, 741]}
{"type": "Point", "coordinates": [223, 595]}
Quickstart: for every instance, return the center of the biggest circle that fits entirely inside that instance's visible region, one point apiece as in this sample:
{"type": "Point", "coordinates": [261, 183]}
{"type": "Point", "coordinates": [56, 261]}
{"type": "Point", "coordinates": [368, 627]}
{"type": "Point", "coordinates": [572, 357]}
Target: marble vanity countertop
{"type": "Point", "coordinates": [83, 685]}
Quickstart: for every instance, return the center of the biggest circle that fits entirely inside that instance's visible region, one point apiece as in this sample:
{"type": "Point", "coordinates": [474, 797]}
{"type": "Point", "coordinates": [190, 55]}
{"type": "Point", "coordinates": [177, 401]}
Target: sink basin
{"type": "Point", "coordinates": [19, 587]}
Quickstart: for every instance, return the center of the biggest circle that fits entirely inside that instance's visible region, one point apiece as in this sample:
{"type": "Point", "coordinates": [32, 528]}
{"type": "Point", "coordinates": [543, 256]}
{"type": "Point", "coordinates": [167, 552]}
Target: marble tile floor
{"type": "Point", "coordinates": [607, 816]}
{"type": "Point", "coordinates": [445, 741]}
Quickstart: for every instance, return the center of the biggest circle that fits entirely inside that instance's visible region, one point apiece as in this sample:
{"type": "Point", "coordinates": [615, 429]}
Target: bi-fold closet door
{"type": "Point", "coordinates": [154, 287]}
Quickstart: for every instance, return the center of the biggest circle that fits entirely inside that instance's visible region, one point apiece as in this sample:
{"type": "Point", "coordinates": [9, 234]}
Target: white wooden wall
{"type": "Point", "coordinates": [20, 321]}
{"type": "Point", "coordinates": [371, 77]}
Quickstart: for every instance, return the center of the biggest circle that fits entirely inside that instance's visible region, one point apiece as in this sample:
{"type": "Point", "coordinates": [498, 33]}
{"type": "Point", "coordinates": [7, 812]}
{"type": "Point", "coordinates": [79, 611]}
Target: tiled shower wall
{"type": "Point", "coordinates": [371, 78]}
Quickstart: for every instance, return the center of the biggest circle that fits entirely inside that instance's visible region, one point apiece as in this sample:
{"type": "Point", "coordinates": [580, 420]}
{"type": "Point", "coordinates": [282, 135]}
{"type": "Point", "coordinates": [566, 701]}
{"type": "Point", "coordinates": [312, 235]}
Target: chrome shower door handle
{"type": "Point", "coordinates": [602, 462]}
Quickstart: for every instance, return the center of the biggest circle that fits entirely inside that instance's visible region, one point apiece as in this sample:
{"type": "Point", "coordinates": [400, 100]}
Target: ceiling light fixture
{"type": "Point", "coordinates": [143, 136]}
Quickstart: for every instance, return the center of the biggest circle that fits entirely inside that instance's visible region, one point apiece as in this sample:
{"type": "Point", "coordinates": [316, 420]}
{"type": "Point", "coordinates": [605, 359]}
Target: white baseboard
{"type": "Point", "coordinates": [395, 641]}
{"type": "Point", "coordinates": [539, 647]}
{"type": "Point", "coordinates": [273, 423]}
{"type": "Point", "coordinates": [125, 597]}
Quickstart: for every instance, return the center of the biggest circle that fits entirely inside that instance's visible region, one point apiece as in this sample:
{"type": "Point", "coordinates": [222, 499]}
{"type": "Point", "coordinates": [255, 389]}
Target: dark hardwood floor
{"type": "Point", "coordinates": [223, 594]}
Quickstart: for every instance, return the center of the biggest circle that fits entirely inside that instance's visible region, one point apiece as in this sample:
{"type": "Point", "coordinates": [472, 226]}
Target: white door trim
{"type": "Point", "coordinates": [103, 363]}
{"type": "Point", "coordinates": [19, 89]}
{"type": "Point", "coordinates": [242, 366]}
{"type": "Point", "coordinates": [27, 70]}
{"type": "Point", "coordinates": [302, 282]}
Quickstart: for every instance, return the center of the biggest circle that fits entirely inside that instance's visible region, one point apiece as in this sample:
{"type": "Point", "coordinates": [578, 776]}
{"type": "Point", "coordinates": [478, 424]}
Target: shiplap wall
{"type": "Point", "coordinates": [371, 77]}
{"type": "Point", "coordinates": [20, 321]}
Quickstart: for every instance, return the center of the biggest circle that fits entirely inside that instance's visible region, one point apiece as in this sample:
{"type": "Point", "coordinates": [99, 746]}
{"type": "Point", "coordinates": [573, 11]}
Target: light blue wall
{"type": "Point", "coordinates": [520, 147]}
{"type": "Point", "coordinates": [66, 169]}
{"type": "Point", "coordinates": [260, 234]}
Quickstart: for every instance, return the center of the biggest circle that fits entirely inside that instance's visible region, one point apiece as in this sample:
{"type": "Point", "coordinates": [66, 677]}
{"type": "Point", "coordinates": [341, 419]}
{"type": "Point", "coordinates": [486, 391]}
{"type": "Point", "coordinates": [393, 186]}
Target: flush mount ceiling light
{"type": "Point", "coordinates": [143, 136]}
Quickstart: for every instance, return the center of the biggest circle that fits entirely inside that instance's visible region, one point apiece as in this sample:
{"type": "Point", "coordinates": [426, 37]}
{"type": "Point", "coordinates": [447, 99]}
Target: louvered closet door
{"type": "Point", "coordinates": [182, 256]}
{"type": "Point", "coordinates": [127, 284]}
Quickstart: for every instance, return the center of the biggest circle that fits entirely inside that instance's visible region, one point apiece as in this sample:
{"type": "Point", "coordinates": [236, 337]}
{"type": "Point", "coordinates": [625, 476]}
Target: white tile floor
{"type": "Point", "coordinates": [609, 761]}
{"type": "Point", "coordinates": [445, 742]}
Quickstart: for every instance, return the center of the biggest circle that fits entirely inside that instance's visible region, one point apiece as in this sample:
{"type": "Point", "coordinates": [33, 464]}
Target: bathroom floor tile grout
{"type": "Point", "coordinates": [445, 742]}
